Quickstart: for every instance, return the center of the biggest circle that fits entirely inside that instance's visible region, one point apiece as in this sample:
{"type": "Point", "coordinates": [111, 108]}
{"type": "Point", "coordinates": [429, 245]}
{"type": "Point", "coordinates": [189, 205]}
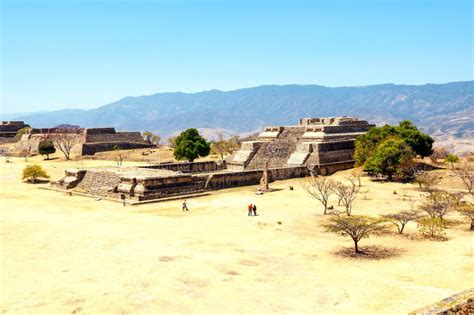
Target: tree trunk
{"type": "Point", "coordinates": [472, 224]}
{"type": "Point", "coordinates": [326, 207]}
{"type": "Point", "coordinates": [356, 247]}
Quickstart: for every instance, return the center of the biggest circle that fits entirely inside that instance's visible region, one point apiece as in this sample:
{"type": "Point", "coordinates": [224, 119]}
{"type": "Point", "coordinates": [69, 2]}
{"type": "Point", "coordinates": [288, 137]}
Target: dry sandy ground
{"type": "Point", "coordinates": [71, 254]}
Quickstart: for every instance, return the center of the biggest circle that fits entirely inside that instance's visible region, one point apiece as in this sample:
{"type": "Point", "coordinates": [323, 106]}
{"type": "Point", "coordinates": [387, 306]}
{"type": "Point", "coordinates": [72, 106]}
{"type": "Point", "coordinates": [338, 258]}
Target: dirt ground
{"type": "Point", "coordinates": [71, 254]}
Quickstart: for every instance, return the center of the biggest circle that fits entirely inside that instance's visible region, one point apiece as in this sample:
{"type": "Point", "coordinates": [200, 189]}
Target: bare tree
{"type": "Point", "coordinates": [347, 194]}
{"type": "Point", "coordinates": [468, 211]}
{"type": "Point", "coordinates": [401, 219]}
{"type": "Point", "coordinates": [65, 137]}
{"type": "Point", "coordinates": [119, 155]}
{"type": "Point", "coordinates": [25, 153]}
{"type": "Point", "coordinates": [465, 172]}
{"type": "Point", "coordinates": [356, 176]}
{"type": "Point", "coordinates": [220, 145]}
{"type": "Point", "coordinates": [151, 138]}
{"type": "Point", "coordinates": [320, 188]}
{"type": "Point", "coordinates": [438, 153]}
{"type": "Point", "coordinates": [439, 203]}
{"type": "Point", "coordinates": [427, 180]}
{"type": "Point", "coordinates": [356, 227]}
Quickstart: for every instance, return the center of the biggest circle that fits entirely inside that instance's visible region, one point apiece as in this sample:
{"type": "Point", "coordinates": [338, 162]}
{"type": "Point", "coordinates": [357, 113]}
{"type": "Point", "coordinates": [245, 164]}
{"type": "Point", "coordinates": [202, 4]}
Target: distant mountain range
{"type": "Point", "coordinates": [440, 109]}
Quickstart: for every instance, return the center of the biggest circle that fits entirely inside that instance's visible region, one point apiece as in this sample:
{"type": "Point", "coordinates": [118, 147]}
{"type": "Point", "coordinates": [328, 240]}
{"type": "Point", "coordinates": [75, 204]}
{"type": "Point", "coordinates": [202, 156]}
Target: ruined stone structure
{"type": "Point", "coordinates": [320, 143]}
{"type": "Point", "coordinates": [9, 129]}
{"type": "Point", "coordinates": [314, 146]}
{"type": "Point", "coordinates": [88, 142]}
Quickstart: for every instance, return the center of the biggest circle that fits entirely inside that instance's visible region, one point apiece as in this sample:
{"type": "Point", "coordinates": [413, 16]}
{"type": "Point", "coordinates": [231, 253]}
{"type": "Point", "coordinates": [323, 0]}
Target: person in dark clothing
{"type": "Point", "coordinates": [250, 208]}
{"type": "Point", "coordinates": [185, 206]}
{"type": "Point", "coordinates": [254, 209]}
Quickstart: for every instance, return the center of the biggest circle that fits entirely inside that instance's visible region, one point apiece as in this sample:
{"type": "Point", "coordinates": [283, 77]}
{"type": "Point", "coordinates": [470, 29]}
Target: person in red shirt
{"type": "Point", "coordinates": [250, 208]}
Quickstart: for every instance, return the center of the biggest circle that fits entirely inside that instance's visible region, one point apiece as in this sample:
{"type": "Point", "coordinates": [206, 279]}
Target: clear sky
{"type": "Point", "coordinates": [84, 53]}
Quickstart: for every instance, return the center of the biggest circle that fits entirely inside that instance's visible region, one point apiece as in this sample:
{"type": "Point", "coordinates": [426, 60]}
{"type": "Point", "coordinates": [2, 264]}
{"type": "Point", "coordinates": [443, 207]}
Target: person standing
{"type": "Point", "coordinates": [250, 208]}
{"type": "Point", "coordinates": [254, 209]}
{"type": "Point", "coordinates": [185, 206]}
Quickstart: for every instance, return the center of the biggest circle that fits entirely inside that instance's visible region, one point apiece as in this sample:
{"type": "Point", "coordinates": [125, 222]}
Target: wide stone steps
{"type": "Point", "coordinates": [98, 183]}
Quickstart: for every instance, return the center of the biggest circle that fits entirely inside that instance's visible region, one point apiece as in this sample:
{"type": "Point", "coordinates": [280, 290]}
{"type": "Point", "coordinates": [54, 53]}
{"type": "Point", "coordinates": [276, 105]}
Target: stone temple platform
{"type": "Point", "coordinates": [314, 146]}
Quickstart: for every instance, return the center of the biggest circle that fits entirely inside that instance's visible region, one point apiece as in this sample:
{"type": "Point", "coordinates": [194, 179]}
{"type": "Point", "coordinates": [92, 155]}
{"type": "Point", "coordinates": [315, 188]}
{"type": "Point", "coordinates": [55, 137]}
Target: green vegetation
{"type": "Point", "coordinates": [387, 150]}
{"type": "Point", "coordinates": [451, 159]}
{"type": "Point", "coordinates": [33, 172]}
{"type": "Point", "coordinates": [21, 132]}
{"type": "Point", "coordinates": [432, 228]}
{"type": "Point", "coordinates": [46, 147]}
{"type": "Point", "coordinates": [190, 145]}
{"type": "Point", "coordinates": [389, 157]}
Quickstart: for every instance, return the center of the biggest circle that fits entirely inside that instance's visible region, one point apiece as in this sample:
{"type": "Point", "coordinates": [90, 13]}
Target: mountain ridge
{"type": "Point", "coordinates": [440, 109]}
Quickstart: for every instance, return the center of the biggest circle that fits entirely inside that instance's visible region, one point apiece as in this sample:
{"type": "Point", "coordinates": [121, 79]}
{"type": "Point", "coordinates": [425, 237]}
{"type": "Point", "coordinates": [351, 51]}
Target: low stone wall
{"type": "Point", "coordinates": [91, 148]}
{"type": "Point", "coordinates": [192, 167]}
{"type": "Point", "coordinates": [252, 177]}
{"type": "Point", "coordinates": [460, 304]}
{"type": "Point", "coordinates": [114, 137]}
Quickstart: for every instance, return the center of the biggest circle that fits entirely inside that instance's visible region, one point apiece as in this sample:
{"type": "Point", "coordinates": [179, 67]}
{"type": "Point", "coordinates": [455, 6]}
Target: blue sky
{"type": "Point", "coordinates": [83, 54]}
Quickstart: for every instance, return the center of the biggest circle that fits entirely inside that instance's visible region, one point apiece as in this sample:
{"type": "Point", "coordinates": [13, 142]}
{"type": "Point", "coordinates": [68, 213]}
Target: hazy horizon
{"type": "Point", "coordinates": [12, 114]}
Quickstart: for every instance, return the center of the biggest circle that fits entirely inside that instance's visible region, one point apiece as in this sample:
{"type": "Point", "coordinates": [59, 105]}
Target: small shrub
{"type": "Point", "coordinates": [432, 228]}
{"type": "Point", "coordinates": [33, 172]}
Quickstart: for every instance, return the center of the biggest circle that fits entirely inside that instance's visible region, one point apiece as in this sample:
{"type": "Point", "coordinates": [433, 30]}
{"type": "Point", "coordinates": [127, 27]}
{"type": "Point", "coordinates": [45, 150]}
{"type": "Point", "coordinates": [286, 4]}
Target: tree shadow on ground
{"type": "Point", "coordinates": [370, 252]}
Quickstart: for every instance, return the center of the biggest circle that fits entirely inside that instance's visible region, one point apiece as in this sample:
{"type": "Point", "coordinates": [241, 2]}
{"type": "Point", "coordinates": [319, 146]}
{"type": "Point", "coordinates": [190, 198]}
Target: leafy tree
{"type": "Point", "coordinates": [190, 145]}
{"type": "Point", "coordinates": [432, 228]}
{"type": "Point", "coordinates": [46, 147]}
{"type": "Point", "coordinates": [356, 227]}
{"type": "Point", "coordinates": [421, 143]}
{"type": "Point", "coordinates": [32, 172]}
{"type": "Point", "coordinates": [451, 159]}
{"type": "Point", "coordinates": [388, 158]}
{"type": "Point", "coordinates": [366, 144]}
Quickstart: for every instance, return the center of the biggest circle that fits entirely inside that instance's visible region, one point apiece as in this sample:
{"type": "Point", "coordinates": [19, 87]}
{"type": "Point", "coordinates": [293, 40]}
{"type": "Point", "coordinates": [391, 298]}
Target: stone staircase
{"type": "Point", "coordinates": [99, 183]}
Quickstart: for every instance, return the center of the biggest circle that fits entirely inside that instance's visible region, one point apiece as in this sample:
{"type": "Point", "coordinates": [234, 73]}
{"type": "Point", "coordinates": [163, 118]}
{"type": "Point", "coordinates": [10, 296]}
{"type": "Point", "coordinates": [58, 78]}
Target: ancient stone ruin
{"type": "Point", "coordinates": [326, 144]}
{"type": "Point", "coordinates": [9, 129]}
{"type": "Point", "coordinates": [87, 140]}
{"type": "Point", "coordinates": [314, 146]}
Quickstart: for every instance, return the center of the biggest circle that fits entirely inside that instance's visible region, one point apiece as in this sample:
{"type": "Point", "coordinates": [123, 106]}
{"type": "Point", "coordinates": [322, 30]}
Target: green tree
{"type": "Point", "coordinates": [451, 159]}
{"type": "Point", "coordinates": [421, 143]}
{"type": "Point", "coordinates": [46, 147]}
{"type": "Point", "coordinates": [190, 145]}
{"type": "Point", "coordinates": [388, 158]}
{"type": "Point", "coordinates": [366, 144]}
{"type": "Point", "coordinates": [32, 172]}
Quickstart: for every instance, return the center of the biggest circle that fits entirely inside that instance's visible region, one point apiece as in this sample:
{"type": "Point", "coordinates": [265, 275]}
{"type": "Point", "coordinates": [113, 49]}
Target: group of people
{"type": "Point", "coordinates": [252, 210]}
